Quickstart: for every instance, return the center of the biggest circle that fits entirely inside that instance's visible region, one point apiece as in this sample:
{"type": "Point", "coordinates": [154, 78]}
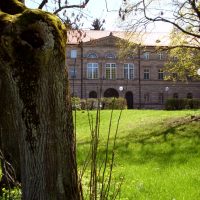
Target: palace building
{"type": "Point", "coordinates": [97, 69]}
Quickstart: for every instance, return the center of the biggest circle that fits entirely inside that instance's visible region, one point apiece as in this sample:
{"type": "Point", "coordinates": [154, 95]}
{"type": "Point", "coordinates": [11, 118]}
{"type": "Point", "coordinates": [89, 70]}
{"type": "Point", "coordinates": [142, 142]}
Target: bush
{"type": "Point", "coordinates": [179, 104]}
{"type": "Point", "coordinates": [76, 103]}
{"type": "Point", "coordinates": [114, 103]}
{"type": "Point", "coordinates": [105, 103]}
{"type": "Point", "coordinates": [91, 104]}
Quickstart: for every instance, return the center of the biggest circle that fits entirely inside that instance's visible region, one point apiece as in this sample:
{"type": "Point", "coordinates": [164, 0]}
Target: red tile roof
{"type": "Point", "coordinates": [148, 39]}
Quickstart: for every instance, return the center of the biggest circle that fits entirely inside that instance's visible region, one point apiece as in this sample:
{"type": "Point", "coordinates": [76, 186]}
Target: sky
{"type": "Point", "coordinates": [101, 9]}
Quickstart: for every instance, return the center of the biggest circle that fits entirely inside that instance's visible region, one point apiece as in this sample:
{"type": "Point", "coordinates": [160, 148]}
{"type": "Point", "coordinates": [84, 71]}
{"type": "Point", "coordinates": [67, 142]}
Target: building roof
{"type": "Point", "coordinates": [146, 39]}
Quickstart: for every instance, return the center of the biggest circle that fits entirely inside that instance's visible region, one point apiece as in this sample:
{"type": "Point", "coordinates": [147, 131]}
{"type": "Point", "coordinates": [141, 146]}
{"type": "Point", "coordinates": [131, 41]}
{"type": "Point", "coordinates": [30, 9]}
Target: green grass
{"type": "Point", "coordinates": [158, 152]}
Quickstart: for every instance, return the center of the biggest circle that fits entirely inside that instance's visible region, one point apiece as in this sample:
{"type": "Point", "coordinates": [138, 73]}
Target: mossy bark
{"type": "Point", "coordinates": [35, 111]}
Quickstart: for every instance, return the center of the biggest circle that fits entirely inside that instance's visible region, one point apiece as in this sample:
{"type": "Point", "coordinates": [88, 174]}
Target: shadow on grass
{"type": "Point", "coordinates": [172, 145]}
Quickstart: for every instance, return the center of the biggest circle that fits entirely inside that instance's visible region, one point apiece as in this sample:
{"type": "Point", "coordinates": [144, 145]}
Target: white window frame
{"type": "Point", "coordinates": [73, 53]}
{"type": "Point", "coordinates": [161, 55]}
{"type": "Point", "coordinates": [146, 55]}
{"type": "Point", "coordinates": [160, 74]}
{"type": "Point", "coordinates": [93, 67]}
{"type": "Point", "coordinates": [112, 70]}
{"type": "Point", "coordinates": [129, 67]}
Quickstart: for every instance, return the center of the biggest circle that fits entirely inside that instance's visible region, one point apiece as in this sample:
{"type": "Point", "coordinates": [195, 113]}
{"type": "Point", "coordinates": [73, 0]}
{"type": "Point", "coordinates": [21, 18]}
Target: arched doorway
{"type": "Point", "coordinates": [129, 99]}
{"type": "Point", "coordinates": [92, 94]}
{"type": "Point", "coordinates": [111, 92]}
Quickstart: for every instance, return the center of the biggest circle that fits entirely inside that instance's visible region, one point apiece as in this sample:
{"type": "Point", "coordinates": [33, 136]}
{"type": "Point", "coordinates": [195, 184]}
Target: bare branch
{"type": "Point", "coordinates": [43, 4]}
{"type": "Point", "coordinates": [161, 19]}
{"type": "Point", "coordinates": [82, 5]}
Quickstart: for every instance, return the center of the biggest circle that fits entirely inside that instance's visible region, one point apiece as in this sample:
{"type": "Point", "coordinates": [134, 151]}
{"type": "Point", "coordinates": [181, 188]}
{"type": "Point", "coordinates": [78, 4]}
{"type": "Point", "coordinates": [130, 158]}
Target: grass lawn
{"type": "Point", "coordinates": [157, 153]}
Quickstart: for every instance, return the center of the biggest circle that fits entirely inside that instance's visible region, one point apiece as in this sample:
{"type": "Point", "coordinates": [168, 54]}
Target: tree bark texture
{"type": "Point", "coordinates": [35, 111]}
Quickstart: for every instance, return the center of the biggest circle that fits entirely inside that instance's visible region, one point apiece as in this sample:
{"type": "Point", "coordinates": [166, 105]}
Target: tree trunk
{"type": "Point", "coordinates": [35, 116]}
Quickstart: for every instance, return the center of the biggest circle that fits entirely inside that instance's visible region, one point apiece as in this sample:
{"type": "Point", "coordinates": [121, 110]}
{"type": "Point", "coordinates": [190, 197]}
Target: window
{"type": "Point", "coordinates": [92, 55]}
{"type": "Point", "coordinates": [189, 95]}
{"type": "Point", "coordinates": [146, 55]}
{"type": "Point", "coordinates": [160, 55]}
{"type": "Point", "coordinates": [110, 71]}
{"type": "Point", "coordinates": [161, 98]}
{"type": "Point", "coordinates": [92, 71]}
{"type": "Point", "coordinates": [175, 95]}
{"type": "Point", "coordinates": [110, 55]}
{"type": "Point", "coordinates": [146, 98]}
{"type": "Point", "coordinates": [128, 71]}
{"type": "Point", "coordinates": [160, 74]}
{"type": "Point", "coordinates": [72, 72]}
{"type": "Point", "coordinates": [73, 53]}
{"type": "Point", "coordinates": [146, 74]}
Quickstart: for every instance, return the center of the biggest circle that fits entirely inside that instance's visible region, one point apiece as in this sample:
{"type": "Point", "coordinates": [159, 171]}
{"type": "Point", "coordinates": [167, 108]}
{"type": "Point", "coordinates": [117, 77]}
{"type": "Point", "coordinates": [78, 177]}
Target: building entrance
{"type": "Point", "coordinates": [129, 99]}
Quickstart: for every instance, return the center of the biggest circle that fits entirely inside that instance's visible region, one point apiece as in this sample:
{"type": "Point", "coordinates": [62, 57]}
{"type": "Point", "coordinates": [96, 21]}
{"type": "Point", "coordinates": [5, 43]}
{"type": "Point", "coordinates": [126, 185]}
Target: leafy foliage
{"type": "Point", "coordinates": [184, 58]}
{"type": "Point", "coordinates": [179, 104]}
{"type": "Point", "coordinates": [105, 103]}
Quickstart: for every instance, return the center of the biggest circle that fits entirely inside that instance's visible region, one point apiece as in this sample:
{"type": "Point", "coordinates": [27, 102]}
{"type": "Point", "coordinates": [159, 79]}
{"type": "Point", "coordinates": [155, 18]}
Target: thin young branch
{"type": "Point", "coordinates": [157, 19]}
{"type": "Point", "coordinates": [82, 5]}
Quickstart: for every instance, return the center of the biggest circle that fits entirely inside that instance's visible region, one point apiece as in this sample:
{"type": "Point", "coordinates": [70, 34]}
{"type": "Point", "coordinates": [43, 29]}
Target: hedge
{"type": "Point", "coordinates": [104, 103]}
{"type": "Point", "coordinates": [180, 104]}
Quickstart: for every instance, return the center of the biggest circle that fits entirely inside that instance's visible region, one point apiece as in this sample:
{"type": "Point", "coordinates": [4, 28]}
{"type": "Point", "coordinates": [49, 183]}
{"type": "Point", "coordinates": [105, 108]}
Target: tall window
{"type": "Point", "coordinates": [146, 74]}
{"type": "Point", "coordinates": [72, 72]}
{"type": "Point", "coordinates": [160, 56]}
{"type": "Point", "coordinates": [110, 71]}
{"type": "Point", "coordinates": [160, 74]}
{"type": "Point", "coordinates": [128, 71]}
{"type": "Point", "coordinates": [146, 55]}
{"type": "Point", "coordinates": [73, 53]}
{"type": "Point", "coordinates": [92, 71]}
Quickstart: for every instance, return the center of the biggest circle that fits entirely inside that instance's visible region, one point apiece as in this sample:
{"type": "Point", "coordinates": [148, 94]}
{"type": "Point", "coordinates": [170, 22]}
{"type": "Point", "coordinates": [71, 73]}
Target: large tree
{"type": "Point", "coordinates": [35, 110]}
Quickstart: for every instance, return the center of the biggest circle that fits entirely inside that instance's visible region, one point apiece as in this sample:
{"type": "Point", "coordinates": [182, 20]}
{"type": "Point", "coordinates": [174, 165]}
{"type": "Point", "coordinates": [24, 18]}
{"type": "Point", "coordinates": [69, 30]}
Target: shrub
{"type": "Point", "coordinates": [114, 103]}
{"type": "Point", "coordinates": [91, 104]}
{"type": "Point", "coordinates": [179, 104]}
{"type": "Point", "coordinates": [76, 103]}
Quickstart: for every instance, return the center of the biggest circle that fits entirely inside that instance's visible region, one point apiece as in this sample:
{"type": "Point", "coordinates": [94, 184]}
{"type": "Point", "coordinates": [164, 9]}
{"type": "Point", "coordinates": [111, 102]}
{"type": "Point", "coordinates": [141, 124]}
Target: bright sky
{"type": "Point", "coordinates": [98, 9]}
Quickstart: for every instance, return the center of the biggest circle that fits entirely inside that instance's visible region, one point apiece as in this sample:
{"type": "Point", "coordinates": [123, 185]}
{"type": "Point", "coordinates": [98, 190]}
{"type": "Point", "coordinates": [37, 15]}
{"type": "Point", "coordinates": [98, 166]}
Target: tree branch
{"type": "Point", "coordinates": [42, 4]}
{"type": "Point", "coordinates": [194, 7]}
{"type": "Point", "coordinates": [82, 5]}
{"type": "Point", "coordinates": [157, 19]}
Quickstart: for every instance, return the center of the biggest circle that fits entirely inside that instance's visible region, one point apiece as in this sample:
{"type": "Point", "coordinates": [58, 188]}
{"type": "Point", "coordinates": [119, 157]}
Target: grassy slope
{"type": "Point", "coordinates": [158, 156]}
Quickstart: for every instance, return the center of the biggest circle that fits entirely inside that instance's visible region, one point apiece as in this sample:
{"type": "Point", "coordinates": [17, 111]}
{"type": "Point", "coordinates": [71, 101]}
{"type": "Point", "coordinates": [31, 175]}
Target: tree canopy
{"type": "Point", "coordinates": [184, 18]}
